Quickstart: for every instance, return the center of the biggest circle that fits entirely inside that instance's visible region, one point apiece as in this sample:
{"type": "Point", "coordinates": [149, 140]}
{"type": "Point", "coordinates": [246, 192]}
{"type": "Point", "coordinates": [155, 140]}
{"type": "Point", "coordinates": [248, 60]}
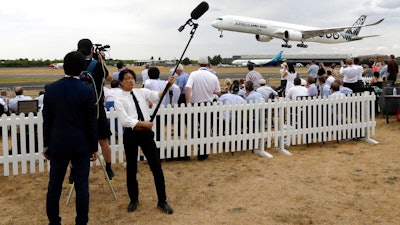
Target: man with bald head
{"type": "Point", "coordinates": [19, 96]}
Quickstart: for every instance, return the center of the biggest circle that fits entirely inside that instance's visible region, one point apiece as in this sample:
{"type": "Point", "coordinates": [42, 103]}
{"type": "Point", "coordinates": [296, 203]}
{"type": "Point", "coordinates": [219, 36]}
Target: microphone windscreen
{"type": "Point", "coordinates": [199, 10]}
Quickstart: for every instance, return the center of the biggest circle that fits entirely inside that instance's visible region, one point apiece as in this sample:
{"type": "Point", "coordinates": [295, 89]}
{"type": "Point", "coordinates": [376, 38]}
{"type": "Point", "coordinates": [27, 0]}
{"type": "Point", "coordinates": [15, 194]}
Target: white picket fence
{"type": "Point", "coordinates": [256, 126]}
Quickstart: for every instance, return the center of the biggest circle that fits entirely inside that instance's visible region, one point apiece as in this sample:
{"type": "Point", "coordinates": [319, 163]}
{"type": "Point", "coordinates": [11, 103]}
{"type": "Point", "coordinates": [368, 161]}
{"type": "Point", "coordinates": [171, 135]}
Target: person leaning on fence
{"type": "Point", "coordinates": [266, 90]}
{"type": "Point", "coordinates": [297, 91]}
{"type": "Point", "coordinates": [134, 114]}
{"type": "Point", "coordinates": [69, 134]}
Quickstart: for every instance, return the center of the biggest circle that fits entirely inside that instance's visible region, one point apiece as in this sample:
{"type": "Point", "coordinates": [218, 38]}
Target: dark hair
{"type": "Point", "coordinates": [120, 64]}
{"type": "Point", "coordinates": [250, 66]}
{"type": "Point", "coordinates": [291, 68]}
{"type": "Point", "coordinates": [329, 72]}
{"type": "Point", "coordinates": [249, 85]}
{"type": "Point", "coordinates": [335, 86]}
{"type": "Point", "coordinates": [114, 84]}
{"type": "Point", "coordinates": [125, 71]}
{"type": "Point", "coordinates": [297, 81]}
{"type": "Point", "coordinates": [74, 63]}
{"type": "Point", "coordinates": [322, 79]}
{"type": "Point", "coordinates": [310, 80]}
{"type": "Point", "coordinates": [376, 74]}
{"type": "Point", "coordinates": [235, 88]}
{"type": "Point", "coordinates": [153, 72]}
{"type": "Point", "coordinates": [41, 92]}
{"type": "Point", "coordinates": [85, 46]}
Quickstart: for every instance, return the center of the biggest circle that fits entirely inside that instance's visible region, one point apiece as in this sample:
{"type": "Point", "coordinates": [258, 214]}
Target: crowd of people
{"type": "Point", "coordinates": [74, 110]}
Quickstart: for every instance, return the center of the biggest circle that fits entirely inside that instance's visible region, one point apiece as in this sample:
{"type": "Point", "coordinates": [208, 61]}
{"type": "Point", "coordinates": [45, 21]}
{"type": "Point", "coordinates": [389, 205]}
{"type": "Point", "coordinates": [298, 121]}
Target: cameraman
{"type": "Point", "coordinates": [99, 74]}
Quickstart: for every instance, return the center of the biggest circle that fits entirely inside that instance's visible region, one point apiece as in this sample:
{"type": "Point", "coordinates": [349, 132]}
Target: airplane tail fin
{"type": "Point", "coordinates": [356, 30]}
{"type": "Point", "coordinates": [278, 57]}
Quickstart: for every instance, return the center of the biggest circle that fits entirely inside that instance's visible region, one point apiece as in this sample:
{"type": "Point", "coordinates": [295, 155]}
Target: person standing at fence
{"type": "Point", "coordinates": [200, 88]}
{"type": "Point", "coordinates": [253, 75]}
{"type": "Point", "coordinates": [392, 69]}
{"type": "Point", "coordinates": [134, 114]}
{"type": "Point", "coordinates": [69, 134]}
{"type": "Point", "coordinates": [297, 91]}
{"type": "Point", "coordinates": [100, 75]}
{"type": "Point", "coordinates": [19, 96]}
{"type": "Point", "coordinates": [349, 73]}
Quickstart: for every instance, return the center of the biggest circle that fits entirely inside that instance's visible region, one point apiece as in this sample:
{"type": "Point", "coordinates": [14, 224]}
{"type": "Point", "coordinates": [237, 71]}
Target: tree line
{"type": "Point", "coordinates": [24, 62]}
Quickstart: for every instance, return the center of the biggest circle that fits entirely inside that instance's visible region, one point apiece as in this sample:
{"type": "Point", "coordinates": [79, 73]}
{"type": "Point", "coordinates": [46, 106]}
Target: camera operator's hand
{"type": "Point", "coordinates": [94, 156]}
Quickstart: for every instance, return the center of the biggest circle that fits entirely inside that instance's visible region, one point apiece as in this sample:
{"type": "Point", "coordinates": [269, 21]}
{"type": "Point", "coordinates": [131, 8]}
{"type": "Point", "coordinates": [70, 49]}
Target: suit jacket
{"type": "Point", "coordinates": [69, 117]}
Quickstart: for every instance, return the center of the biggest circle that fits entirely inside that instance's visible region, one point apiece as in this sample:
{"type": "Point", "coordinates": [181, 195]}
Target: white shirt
{"type": "Point", "coordinates": [360, 71]}
{"type": "Point", "coordinates": [336, 94]}
{"type": "Point", "coordinates": [290, 81]}
{"type": "Point", "coordinates": [350, 74]}
{"type": "Point", "coordinates": [230, 99]}
{"type": "Point", "coordinates": [13, 104]}
{"type": "Point", "coordinates": [266, 91]}
{"type": "Point", "coordinates": [203, 85]}
{"type": "Point", "coordinates": [296, 91]}
{"type": "Point", "coordinates": [158, 85]}
{"type": "Point", "coordinates": [313, 70]}
{"type": "Point", "coordinates": [126, 108]}
{"type": "Point", "coordinates": [145, 75]}
{"type": "Point", "coordinates": [111, 93]}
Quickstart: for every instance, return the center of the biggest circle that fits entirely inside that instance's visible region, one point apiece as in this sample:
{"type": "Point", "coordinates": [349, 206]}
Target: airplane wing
{"type": "Point", "coordinates": [320, 32]}
{"type": "Point", "coordinates": [359, 38]}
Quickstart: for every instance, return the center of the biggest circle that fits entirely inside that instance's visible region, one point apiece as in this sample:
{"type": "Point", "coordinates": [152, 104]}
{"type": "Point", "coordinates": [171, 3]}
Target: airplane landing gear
{"type": "Point", "coordinates": [286, 46]}
{"type": "Point", "coordinates": [221, 35]}
{"type": "Point", "coordinates": [302, 45]}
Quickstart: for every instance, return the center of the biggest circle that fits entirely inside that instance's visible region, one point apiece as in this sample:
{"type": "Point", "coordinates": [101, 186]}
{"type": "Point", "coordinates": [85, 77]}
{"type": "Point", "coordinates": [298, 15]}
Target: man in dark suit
{"type": "Point", "coordinates": [69, 135]}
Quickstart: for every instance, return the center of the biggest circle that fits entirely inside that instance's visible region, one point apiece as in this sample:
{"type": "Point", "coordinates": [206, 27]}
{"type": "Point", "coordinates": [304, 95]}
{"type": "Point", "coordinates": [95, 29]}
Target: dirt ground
{"type": "Point", "coordinates": [350, 182]}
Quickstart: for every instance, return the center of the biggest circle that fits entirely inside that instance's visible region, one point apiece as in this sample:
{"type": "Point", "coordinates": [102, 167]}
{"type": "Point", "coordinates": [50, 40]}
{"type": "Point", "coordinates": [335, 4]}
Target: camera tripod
{"type": "Point", "coordinates": [102, 164]}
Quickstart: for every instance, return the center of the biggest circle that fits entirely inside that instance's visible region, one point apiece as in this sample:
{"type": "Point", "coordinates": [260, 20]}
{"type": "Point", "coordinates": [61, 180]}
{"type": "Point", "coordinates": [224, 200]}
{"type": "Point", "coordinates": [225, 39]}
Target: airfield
{"type": "Point", "coordinates": [350, 182]}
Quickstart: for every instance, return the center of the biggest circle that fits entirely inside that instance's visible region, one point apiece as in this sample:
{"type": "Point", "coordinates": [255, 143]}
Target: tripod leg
{"type": "Point", "coordinates": [107, 178]}
{"type": "Point", "coordinates": [70, 193]}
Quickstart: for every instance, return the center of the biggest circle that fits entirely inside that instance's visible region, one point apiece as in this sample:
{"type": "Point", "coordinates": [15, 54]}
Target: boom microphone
{"type": "Point", "coordinates": [199, 10]}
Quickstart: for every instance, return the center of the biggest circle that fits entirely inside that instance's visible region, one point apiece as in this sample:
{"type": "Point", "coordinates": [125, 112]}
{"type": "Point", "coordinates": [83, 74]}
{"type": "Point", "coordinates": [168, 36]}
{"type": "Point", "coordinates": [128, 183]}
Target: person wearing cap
{"type": "Point", "coordinates": [201, 87]}
{"type": "Point", "coordinates": [266, 90]}
{"type": "Point", "coordinates": [69, 135]}
{"type": "Point", "coordinates": [253, 75]}
{"type": "Point", "coordinates": [100, 74]}
{"type": "Point", "coordinates": [120, 66]}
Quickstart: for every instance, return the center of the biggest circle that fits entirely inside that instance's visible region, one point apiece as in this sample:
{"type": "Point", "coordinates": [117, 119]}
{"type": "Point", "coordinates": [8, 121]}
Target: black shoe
{"type": "Point", "coordinates": [133, 206]}
{"type": "Point", "coordinates": [71, 177]}
{"type": "Point", "coordinates": [202, 157]}
{"type": "Point", "coordinates": [165, 208]}
{"type": "Point", "coordinates": [110, 174]}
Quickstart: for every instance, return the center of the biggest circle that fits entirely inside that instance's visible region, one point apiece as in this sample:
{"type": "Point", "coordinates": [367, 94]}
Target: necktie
{"type": "Point", "coordinates": [139, 112]}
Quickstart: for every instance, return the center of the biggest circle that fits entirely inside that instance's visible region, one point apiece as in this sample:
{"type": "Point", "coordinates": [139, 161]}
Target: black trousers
{"type": "Point", "coordinates": [144, 139]}
{"type": "Point", "coordinates": [58, 168]}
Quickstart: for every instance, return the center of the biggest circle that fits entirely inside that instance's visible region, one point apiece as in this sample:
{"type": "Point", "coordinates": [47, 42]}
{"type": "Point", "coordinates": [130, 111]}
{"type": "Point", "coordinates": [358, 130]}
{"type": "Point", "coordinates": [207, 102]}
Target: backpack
{"type": "Point", "coordinates": [86, 75]}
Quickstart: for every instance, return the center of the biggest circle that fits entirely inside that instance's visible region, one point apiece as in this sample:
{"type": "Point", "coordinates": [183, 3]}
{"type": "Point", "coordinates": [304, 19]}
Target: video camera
{"type": "Point", "coordinates": [99, 49]}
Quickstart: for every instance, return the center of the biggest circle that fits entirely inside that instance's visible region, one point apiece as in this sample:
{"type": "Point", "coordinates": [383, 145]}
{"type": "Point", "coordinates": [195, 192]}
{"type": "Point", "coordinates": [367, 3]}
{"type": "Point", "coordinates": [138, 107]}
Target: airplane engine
{"type": "Point", "coordinates": [263, 38]}
{"type": "Point", "coordinates": [293, 35]}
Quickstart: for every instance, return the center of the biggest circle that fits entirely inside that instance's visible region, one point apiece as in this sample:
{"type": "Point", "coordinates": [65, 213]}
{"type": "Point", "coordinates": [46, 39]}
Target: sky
{"type": "Point", "coordinates": [141, 29]}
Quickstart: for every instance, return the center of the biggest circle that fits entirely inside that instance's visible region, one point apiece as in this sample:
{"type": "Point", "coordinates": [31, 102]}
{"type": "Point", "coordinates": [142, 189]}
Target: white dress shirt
{"type": "Point", "coordinates": [126, 108]}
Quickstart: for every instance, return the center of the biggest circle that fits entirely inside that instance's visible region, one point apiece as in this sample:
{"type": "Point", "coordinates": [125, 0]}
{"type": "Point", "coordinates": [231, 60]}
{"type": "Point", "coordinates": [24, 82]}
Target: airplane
{"type": "Point", "coordinates": [56, 65]}
{"type": "Point", "coordinates": [258, 62]}
{"type": "Point", "coordinates": [266, 30]}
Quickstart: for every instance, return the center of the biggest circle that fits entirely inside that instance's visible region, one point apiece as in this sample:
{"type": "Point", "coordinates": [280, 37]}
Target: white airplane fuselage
{"type": "Point", "coordinates": [267, 29]}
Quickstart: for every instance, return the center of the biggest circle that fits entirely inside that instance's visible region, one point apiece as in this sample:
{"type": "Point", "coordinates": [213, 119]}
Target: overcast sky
{"type": "Point", "coordinates": [139, 29]}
